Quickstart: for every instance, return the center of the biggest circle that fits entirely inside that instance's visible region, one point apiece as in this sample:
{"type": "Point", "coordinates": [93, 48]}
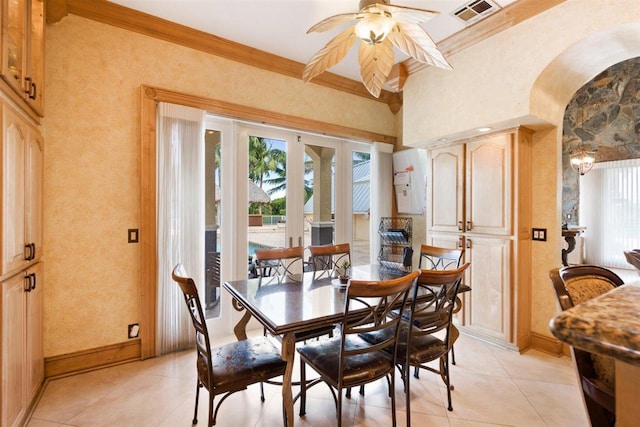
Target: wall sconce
{"type": "Point", "coordinates": [582, 159]}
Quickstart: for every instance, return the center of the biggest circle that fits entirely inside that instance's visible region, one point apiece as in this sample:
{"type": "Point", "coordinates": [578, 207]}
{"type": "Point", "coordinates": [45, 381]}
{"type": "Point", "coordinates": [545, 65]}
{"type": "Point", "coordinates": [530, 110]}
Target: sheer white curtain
{"type": "Point", "coordinates": [610, 210]}
{"type": "Point", "coordinates": [180, 218]}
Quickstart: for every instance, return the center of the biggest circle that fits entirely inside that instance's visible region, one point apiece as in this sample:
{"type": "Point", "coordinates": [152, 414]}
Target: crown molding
{"type": "Point", "coordinates": [139, 22]}
{"type": "Point", "coordinates": [505, 18]}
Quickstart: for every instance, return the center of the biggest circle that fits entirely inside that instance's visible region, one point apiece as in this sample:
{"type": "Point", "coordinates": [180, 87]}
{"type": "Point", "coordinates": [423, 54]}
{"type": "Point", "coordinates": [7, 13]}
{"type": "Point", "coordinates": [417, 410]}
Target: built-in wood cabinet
{"type": "Point", "coordinates": [22, 164]}
{"type": "Point", "coordinates": [23, 23]}
{"type": "Point", "coordinates": [21, 272]}
{"type": "Point", "coordinates": [479, 198]}
{"type": "Point", "coordinates": [22, 345]}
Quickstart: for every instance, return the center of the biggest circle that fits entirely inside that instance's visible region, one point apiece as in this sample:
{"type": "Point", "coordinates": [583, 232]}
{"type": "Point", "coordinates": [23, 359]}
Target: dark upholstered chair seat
{"type": "Point", "coordinates": [238, 364]}
{"type": "Point", "coordinates": [228, 368]}
{"type": "Point", "coordinates": [424, 347]}
{"type": "Point", "coordinates": [325, 356]}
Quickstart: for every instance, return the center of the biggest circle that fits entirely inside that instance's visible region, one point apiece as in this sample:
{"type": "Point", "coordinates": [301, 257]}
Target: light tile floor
{"type": "Point", "coordinates": [493, 387]}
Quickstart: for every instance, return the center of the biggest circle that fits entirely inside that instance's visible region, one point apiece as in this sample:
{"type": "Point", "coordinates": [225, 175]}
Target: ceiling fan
{"type": "Point", "coordinates": [379, 26]}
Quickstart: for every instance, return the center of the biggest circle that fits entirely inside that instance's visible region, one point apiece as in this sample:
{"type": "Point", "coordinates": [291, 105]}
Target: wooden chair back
{"type": "Point", "coordinates": [279, 262]}
{"type": "Point", "coordinates": [330, 258]}
{"type": "Point", "coordinates": [633, 258]}
{"type": "Point", "coordinates": [437, 258]}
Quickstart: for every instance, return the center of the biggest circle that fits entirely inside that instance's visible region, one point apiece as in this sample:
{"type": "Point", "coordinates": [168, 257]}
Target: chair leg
{"type": "Point", "coordinates": [416, 372]}
{"type": "Point", "coordinates": [453, 356]}
{"type": "Point", "coordinates": [262, 392]}
{"type": "Point", "coordinates": [195, 412]}
{"type": "Point", "coordinates": [303, 389]}
{"type": "Point", "coordinates": [339, 408]}
{"type": "Point", "coordinates": [407, 392]}
{"type": "Point", "coordinates": [444, 368]}
{"type": "Point", "coordinates": [393, 400]}
{"type": "Point", "coordinates": [212, 415]}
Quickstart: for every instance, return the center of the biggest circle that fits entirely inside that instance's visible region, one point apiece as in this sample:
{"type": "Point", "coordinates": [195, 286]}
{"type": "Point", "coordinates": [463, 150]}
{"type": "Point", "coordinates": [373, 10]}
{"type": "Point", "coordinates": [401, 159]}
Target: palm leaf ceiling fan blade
{"type": "Point", "coordinates": [376, 62]}
{"type": "Point", "coordinates": [334, 21]}
{"type": "Point", "coordinates": [380, 26]}
{"type": "Point", "coordinates": [414, 41]}
{"type": "Point", "coordinates": [330, 55]}
{"type": "Point", "coordinates": [408, 14]}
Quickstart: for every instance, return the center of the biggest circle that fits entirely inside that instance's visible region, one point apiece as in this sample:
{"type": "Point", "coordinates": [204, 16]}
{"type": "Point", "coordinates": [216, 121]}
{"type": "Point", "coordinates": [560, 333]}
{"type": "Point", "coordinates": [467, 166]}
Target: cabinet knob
{"type": "Point", "coordinates": [33, 282]}
{"type": "Point", "coordinates": [460, 242]}
{"type": "Point", "coordinates": [460, 226]}
{"type": "Point", "coordinates": [468, 243]}
{"type": "Point", "coordinates": [27, 283]}
{"type": "Point", "coordinates": [468, 226]}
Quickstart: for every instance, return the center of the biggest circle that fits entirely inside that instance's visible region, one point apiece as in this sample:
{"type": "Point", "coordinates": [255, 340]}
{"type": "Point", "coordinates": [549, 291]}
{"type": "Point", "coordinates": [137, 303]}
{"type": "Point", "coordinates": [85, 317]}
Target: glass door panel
{"type": "Point", "coordinates": [213, 196]}
{"type": "Point", "coordinates": [318, 193]}
{"type": "Point", "coordinates": [360, 207]}
{"type": "Point", "coordinates": [268, 151]}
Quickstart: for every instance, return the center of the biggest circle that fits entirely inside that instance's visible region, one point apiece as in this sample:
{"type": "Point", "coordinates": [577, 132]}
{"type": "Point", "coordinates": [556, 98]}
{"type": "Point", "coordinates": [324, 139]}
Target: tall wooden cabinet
{"type": "Point", "coordinates": [21, 272]}
{"type": "Point", "coordinates": [479, 198]}
{"type": "Point", "coordinates": [22, 158]}
{"type": "Point", "coordinates": [22, 42]}
{"type": "Point", "coordinates": [22, 349]}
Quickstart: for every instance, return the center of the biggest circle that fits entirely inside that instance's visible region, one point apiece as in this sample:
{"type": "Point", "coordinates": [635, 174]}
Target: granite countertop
{"type": "Point", "coordinates": [608, 324]}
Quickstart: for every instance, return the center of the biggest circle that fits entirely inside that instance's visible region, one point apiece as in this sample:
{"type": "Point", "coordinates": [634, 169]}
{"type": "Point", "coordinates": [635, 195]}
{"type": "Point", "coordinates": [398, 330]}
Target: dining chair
{"type": "Point", "coordinates": [329, 258]}
{"type": "Point", "coordinates": [437, 258]}
{"type": "Point", "coordinates": [280, 262]}
{"type": "Point", "coordinates": [228, 368]}
{"type": "Point", "coordinates": [348, 360]}
{"type": "Point", "coordinates": [573, 285]}
{"type": "Point", "coordinates": [633, 258]}
{"type": "Point", "coordinates": [433, 303]}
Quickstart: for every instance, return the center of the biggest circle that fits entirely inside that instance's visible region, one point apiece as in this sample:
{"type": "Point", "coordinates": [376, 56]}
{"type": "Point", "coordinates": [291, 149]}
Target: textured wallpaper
{"type": "Point", "coordinates": [92, 157]}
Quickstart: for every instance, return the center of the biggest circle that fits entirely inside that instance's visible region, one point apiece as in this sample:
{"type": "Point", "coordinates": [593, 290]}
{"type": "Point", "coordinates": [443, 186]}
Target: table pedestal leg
{"type": "Point", "coordinates": [288, 354]}
{"type": "Point", "coordinates": [571, 241]}
{"type": "Point", "coordinates": [240, 330]}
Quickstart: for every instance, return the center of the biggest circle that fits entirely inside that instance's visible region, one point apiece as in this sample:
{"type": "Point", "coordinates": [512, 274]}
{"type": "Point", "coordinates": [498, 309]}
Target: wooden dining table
{"type": "Point", "coordinates": [293, 305]}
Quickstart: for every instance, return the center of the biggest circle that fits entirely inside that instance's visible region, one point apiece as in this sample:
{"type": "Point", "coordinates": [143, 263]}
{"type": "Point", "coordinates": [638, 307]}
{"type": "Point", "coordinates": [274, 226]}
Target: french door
{"type": "Point", "coordinates": [270, 187]}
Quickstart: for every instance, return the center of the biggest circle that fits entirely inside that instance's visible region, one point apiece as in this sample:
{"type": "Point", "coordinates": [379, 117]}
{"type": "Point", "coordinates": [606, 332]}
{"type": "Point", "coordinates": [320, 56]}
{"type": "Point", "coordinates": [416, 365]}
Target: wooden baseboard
{"type": "Point", "coordinates": [548, 344]}
{"type": "Point", "coordinates": [87, 360]}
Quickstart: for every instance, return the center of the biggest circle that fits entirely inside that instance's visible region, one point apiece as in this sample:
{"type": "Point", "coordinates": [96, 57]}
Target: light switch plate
{"type": "Point", "coordinates": [539, 234]}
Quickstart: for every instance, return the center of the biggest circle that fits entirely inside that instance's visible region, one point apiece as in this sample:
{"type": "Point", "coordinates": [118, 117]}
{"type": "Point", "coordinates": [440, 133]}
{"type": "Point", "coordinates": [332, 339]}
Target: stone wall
{"type": "Point", "coordinates": [603, 115]}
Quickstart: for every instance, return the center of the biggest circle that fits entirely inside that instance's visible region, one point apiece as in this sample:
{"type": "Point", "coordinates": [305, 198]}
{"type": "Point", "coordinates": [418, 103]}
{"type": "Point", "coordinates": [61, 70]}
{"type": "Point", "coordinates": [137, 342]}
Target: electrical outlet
{"type": "Point", "coordinates": [133, 235]}
{"type": "Point", "coordinates": [539, 234]}
{"type": "Point", "coordinates": [134, 330]}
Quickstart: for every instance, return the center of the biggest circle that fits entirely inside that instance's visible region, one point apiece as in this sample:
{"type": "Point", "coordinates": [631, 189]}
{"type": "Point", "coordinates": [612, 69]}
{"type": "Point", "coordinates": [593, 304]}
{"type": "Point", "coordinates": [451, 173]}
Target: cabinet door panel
{"type": "Point", "coordinates": [35, 57]}
{"type": "Point", "coordinates": [488, 184]}
{"type": "Point", "coordinates": [13, 203]}
{"type": "Point", "coordinates": [487, 306]}
{"type": "Point", "coordinates": [33, 195]}
{"type": "Point", "coordinates": [445, 189]}
{"type": "Point", "coordinates": [14, 14]}
{"type": "Point", "coordinates": [13, 349]}
{"type": "Point", "coordinates": [34, 360]}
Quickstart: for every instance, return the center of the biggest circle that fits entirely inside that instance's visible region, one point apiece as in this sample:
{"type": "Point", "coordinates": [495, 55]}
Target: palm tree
{"type": "Point", "coordinates": [264, 160]}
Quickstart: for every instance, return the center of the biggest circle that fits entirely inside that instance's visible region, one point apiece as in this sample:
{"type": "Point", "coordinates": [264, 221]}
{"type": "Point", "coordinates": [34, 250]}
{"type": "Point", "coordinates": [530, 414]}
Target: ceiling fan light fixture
{"type": "Point", "coordinates": [374, 28]}
{"type": "Point", "coordinates": [380, 27]}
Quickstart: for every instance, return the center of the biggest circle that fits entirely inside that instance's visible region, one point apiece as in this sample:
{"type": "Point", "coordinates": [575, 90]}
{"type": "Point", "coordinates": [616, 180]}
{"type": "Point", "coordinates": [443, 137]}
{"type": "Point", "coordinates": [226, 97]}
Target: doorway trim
{"type": "Point", "coordinates": [149, 98]}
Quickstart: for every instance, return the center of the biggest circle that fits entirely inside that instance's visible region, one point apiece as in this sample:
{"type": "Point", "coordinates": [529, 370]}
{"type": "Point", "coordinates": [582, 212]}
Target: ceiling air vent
{"type": "Point", "coordinates": [475, 11]}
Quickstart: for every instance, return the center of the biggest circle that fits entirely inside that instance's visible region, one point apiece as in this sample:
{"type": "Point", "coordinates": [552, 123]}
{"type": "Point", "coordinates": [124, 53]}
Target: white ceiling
{"type": "Point", "coordinates": [279, 26]}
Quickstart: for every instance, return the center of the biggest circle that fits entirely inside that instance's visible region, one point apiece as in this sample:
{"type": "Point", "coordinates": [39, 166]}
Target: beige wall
{"type": "Point", "coordinates": [92, 158]}
{"type": "Point", "coordinates": [526, 75]}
